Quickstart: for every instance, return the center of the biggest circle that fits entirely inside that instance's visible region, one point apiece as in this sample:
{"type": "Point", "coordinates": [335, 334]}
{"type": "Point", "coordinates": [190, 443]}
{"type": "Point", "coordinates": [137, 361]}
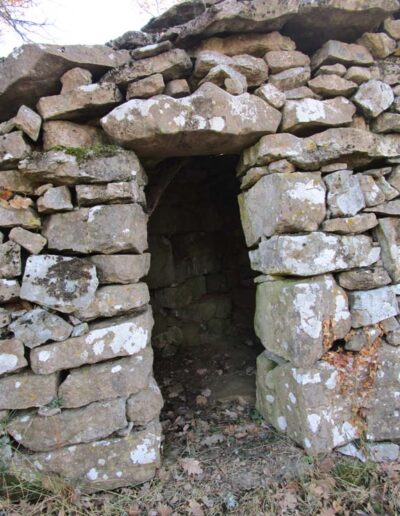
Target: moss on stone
{"type": "Point", "coordinates": [85, 153]}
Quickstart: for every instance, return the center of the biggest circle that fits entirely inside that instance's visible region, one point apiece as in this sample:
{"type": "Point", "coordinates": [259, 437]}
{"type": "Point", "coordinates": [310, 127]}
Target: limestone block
{"type": "Point", "coordinates": [54, 200]}
{"type": "Point", "coordinates": [336, 69]}
{"type": "Point", "coordinates": [280, 60]}
{"type": "Point", "coordinates": [254, 69]}
{"type": "Point", "coordinates": [60, 133]}
{"type": "Point", "coordinates": [272, 95]}
{"type": "Point", "coordinates": [313, 314]}
{"type": "Point", "coordinates": [292, 78]}
{"type": "Point", "coordinates": [106, 340]}
{"type": "Point", "coordinates": [372, 306]}
{"type": "Point", "coordinates": [345, 197]}
{"type": "Point", "coordinates": [101, 229]}
{"type": "Point", "coordinates": [38, 326]}
{"type": "Point", "coordinates": [26, 120]}
{"type": "Point", "coordinates": [174, 64]}
{"type": "Point", "coordinates": [111, 193]}
{"type": "Point", "coordinates": [358, 74]}
{"type": "Point", "coordinates": [121, 268]}
{"type": "Point", "coordinates": [296, 202]}
{"type": "Point", "coordinates": [108, 380]}
{"type": "Point", "coordinates": [357, 224]}
{"type": "Point", "coordinates": [177, 88]}
{"type": "Point", "coordinates": [387, 208]}
{"type": "Point", "coordinates": [58, 282]}
{"type": "Point", "coordinates": [312, 113]}
{"type": "Point", "coordinates": [346, 53]}
{"type": "Point", "coordinates": [374, 97]}
{"type": "Point", "coordinates": [388, 235]}
{"type": "Point", "coordinates": [10, 260]}
{"type": "Point", "coordinates": [131, 40]}
{"type": "Point", "coordinates": [11, 356]}
{"type": "Point", "coordinates": [13, 148]}
{"type": "Point", "coordinates": [332, 86]}
{"type": "Point", "coordinates": [100, 465]}
{"type": "Point", "coordinates": [364, 279]}
{"type": "Point", "coordinates": [151, 50]}
{"type": "Point", "coordinates": [387, 123]}
{"type": "Point", "coordinates": [25, 390]}
{"type": "Point", "coordinates": [95, 421]}
{"type": "Point", "coordinates": [9, 290]}
{"type": "Point", "coordinates": [114, 300]}
{"type": "Point", "coordinates": [26, 217]}
{"type": "Point", "coordinates": [146, 88]}
{"type": "Point", "coordinates": [394, 178]}
{"type": "Point", "coordinates": [392, 27]}
{"type": "Point", "coordinates": [32, 242]}
{"type": "Point", "coordinates": [230, 123]}
{"type": "Point", "coordinates": [373, 195]}
{"type": "Point", "coordinates": [14, 181]}
{"type": "Point", "coordinates": [303, 92]}
{"type": "Point", "coordinates": [145, 406]}
{"type": "Point", "coordinates": [378, 43]}
{"type": "Point", "coordinates": [62, 168]}
{"type": "Point", "coordinates": [313, 254]}
{"type": "Point", "coordinates": [74, 78]}
{"type": "Point", "coordinates": [363, 337]}
{"type": "Point", "coordinates": [224, 76]}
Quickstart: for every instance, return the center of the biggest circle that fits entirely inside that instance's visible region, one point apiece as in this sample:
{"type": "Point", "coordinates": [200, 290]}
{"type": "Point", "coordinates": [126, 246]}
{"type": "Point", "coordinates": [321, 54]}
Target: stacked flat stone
{"type": "Point", "coordinates": [320, 150]}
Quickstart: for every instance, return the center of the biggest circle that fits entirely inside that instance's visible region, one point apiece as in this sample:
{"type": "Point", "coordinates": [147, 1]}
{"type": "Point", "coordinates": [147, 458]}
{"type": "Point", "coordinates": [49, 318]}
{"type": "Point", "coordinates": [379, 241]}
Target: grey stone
{"type": "Point", "coordinates": [175, 15]}
{"type": "Point", "coordinates": [373, 195]}
{"type": "Point", "coordinates": [224, 76]}
{"type": "Point", "coordinates": [313, 314]}
{"type": "Point", "coordinates": [10, 260]}
{"type": "Point", "coordinates": [358, 74]}
{"type": "Point", "coordinates": [111, 193]}
{"type": "Point", "coordinates": [11, 356]}
{"type": "Point", "coordinates": [388, 235]}
{"type": "Point", "coordinates": [272, 95]}
{"type": "Point", "coordinates": [333, 167]}
{"type": "Point", "coordinates": [383, 452]}
{"type": "Point", "coordinates": [336, 69]}
{"type": "Point", "coordinates": [38, 326]}
{"type": "Point", "coordinates": [357, 224]}
{"type": "Point", "coordinates": [90, 100]}
{"type": "Point", "coordinates": [252, 176]}
{"type": "Point", "coordinates": [131, 40]}
{"type": "Point", "coordinates": [362, 338]}
{"type": "Point", "coordinates": [106, 340]}
{"type": "Point", "coordinates": [254, 69]}
{"type": "Point", "coordinates": [58, 133]}
{"type": "Point", "coordinates": [391, 323]}
{"type": "Point", "coordinates": [80, 329]}
{"type": "Point", "coordinates": [392, 27]}
{"type": "Point", "coordinates": [13, 148]}
{"type": "Point", "coordinates": [114, 300]}
{"type": "Point", "coordinates": [346, 53]}
{"type": "Point", "coordinates": [151, 50]}
{"type": "Point", "coordinates": [75, 78]}
{"type": "Point", "coordinates": [32, 242]}
{"type": "Point", "coordinates": [394, 178]}
{"type": "Point", "coordinates": [229, 123]}
{"type": "Point", "coordinates": [292, 78]}
{"type": "Point", "coordinates": [303, 92]}
{"type": "Point", "coordinates": [108, 380]}
{"type": "Point", "coordinates": [373, 97]}
{"type": "Point", "coordinates": [393, 337]}
{"type": "Point", "coordinates": [5, 317]}
{"type": "Point", "coordinates": [387, 123]}
{"type": "Point", "coordinates": [280, 60]}
{"type": "Point", "coordinates": [101, 229]}
{"type": "Point", "coordinates": [62, 283]}
{"type": "Point", "coordinates": [372, 306]}
{"type": "Point", "coordinates": [378, 43]}
{"type": "Point", "coordinates": [332, 86]}
{"type": "Point", "coordinates": [25, 390]}
{"type": "Point", "coordinates": [14, 181]}
{"type": "Point", "coordinates": [61, 168]}
{"type": "Point", "coordinates": [177, 88]}
{"type": "Point", "coordinates": [313, 254]}
{"type": "Point", "coordinates": [311, 113]}
{"type": "Point", "coordinates": [146, 88]}
{"type": "Point", "coordinates": [9, 290]}
{"type": "Point", "coordinates": [387, 208]}
{"type": "Point", "coordinates": [145, 406]}
{"type": "Point", "coordinates": [121, 268]}
{"type": "Point", "coordinates": [54, 200]}
{"type": "Point", "coordinates": [345, 197]}
{"type": "Point", "coordinates": [365, 279]}
{"type": "Point", "coordinates": [296, 203]}
{"type": "Point", "coordinates": [95, 421]}
{"type": "Point", "coordinates": [26, 120]}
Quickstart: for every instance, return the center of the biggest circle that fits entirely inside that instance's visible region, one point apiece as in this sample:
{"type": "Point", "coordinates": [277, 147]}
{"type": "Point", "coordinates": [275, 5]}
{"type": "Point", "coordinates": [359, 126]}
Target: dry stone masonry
{"type": "Point", "coordinates": [309, 115]}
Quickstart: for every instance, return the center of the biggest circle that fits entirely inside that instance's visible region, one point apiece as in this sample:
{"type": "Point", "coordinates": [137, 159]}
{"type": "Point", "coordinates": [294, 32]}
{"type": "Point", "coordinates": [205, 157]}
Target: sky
{"type": "Point", "coordinates": [78, 21]}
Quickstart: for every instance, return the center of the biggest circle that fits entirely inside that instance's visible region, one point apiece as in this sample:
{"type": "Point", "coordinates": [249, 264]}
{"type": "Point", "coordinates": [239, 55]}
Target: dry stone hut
{"type": "Point", "coordinates": [286, 111]}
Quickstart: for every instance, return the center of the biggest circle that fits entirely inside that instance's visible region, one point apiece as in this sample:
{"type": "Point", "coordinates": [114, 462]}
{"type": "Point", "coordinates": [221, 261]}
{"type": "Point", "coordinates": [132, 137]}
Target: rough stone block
{"type": "Point", "coordinates": [13, 147]}
{"type": "Point", "coordinates": [145, 406]}
{"type": "Point", "coordinates": [346, 53]}
{"type": "Point", "coordinates": [11, 356]}
{"type": "Point", "coordinates": [58, 133]}
{"type": "Point", "coordinates": [224, 76]}
{"type": "Point", "coordinates": [14, 181]}
{"type": "Point", "coordinates": [372, 306]}
{"type": "Point", "coordinates": [357, 224]}
{"type": "Point", "coordinates": [358, 74]}
{"type": "Point", "coordinates": [9, 290]}
{"type": "Point", "coordinates": [177, 88]}
{"type": "Point", "coordinates": [32, 242]}
{"type": "Point", "coordinates": [388, 235]}
{"type": "Point", "coordinates": [345, 197]}
{"type": "Point", "coordinates": [121, 268]}
{"type": "Point", "coordinates": [374, 97]}
{"type": "Point", "coordinates": [272, 95]}
{"type": "Point", "coordinates": [280, 60]}
{"type": "Point", "coordinates": [10, 260]}
{"type": "Point", "coordinates": [11, 217]}
{"type": "Point", "coordinates": [25, 390]}
{"type": "Point", "coordinates": [111, 193]}
{"type": "Point", "coordinates": [54, 200]}
{"type": "Point", "coordinates": [364, 279]}
{"type": "Point", "coordinates": [151, 50]}
{"type": "Point", "coordinates": [26, 120]}
{"type": "Point", "coordinates": [290, 79]}
{"type": "Point", "coordinates": [146, 88]}
{"type": "Point", "coordinates": [332, 85]}
{"type": "Point", "coordinates": [378, 43]}
{"type": "Point", "coordinates": [74, 78]}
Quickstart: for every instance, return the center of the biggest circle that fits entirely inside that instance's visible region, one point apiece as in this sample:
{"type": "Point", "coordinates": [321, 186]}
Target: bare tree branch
{"type": "Point", "coordinates": [12, 15]}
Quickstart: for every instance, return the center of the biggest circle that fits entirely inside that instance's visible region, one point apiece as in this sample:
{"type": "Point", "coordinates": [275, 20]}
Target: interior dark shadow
{"type": "Point", "coordinates": [202, 288]}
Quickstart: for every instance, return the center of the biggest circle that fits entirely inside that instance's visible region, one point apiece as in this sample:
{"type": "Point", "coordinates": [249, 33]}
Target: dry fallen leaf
{"type": "Point", "coordinates": [195, 508]}
{"type": "Point", "coordinates": [191, 466]}
{"type": "Point", "coordinates": [164, 510]}
{"type": "Point", "coordinates": [201, 401]}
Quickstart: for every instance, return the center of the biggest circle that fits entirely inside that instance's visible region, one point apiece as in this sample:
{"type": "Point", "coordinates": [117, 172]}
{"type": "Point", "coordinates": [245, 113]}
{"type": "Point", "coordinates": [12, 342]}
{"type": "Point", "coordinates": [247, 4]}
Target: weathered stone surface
{"type": "Point", "coordinates": [345, 197]}
{"type": "Point", "coordinates": [311, 113]}
{"type": "Point", "coordinates": [358, 74]}
{"type": "Point", "coordinates": [387, 208]}
{"type": "Point", "coordinates": [9, 290]}
{"type": "Point", "coordinates": [10, 260]}
{"type": "Point", "coordinates": [346, 53]}
{"type": "Point", "coordinates": [364, 279]}
{"type": "Point", "coordinates": [332, 86]}
{"type": "Point", "coordinates": [313, 313]}
{"type": "Point", "coordinates": [301, 93]}
{"type": "Point", "coordinates": [115, 300]}
{"type": "Point", "coordinates": [392, 27]}
{"type": "Point", "coordinates": [296, 202]}
{"type": "Point", "coordinates": [387, 123]}
{"type": "Point", "coordinates": [174, 64]}
{"type": "Point", "coordinates": [33, 71]}
{"type": "Point", "coordinates": [131, 40]}
{"type": "Point", "coordinates": [175, 15]}
{"type": "Point", "coordinates": [26, 120]}
{"type": "Point", "coordinates": [227, 78]}
{"type": "Point", "coordinates": [146, 88]}
{"type": "Point", "coordinates": [292, 78]}
{"type": "Point", "coordinates": [111, 193]}
{"type": "Point", "coordinates": [58, 282]}
{"type": "Point", "coordinates": [373, 195]}
{"type": "Point", "coordinates": [90, 100]}
{"type": "Point", "coordinates": [378, 43]}
{"type": "Point", "coordinates": [272, 95]}
{"type": "Point", "coordinates": [372, 306]}
{"type": "Point", "coordinates": [313, 254]}
{"type": "Point", "coordinates": [357, 224]}
{"type": "Point", "coordinates": [177, 88]}
{"type": "Point", "coordinates": [106, 340]}
{"type": "Point", "coordinates": [11, 356]}
{"type": "Point", "coordinates": [151, 50]}
{"type": "Point", "coordinates": [62, 168]}
{"type": "Point", "coordinates": [75, 78]}
{"type": "Point", "coordinates": [55, 199]}
{"type": "Point", "coordinates": [13, 147]}
{"type": "Point", "coordinates": [362, 337]}
{"type": "Point", "coordinates": [14, 181]}
{"type": "Point", "coordinates": [373, 97]}
{"type": "Point", "coordinates": [121, 268]}
{"type": "Point", "coordinates": [58, 133]}
{"type": "Point", "coordinates": [101, 465]}
{"type": "Point", "coordinates": [280, 60]}
{"type": "Point", "coordinates": [394, 178]}
{"type": "Point", "coordinates": [253, 44]}
{"type": "Point", "coordinates": [32, 242]}
{"type": "Point", "coordinates": [96, 421]}
{"type": "Point", "coordinates": [192, 124]}
{"type": "Point", "coordinates": [145, 406]}
{"type": "Point", "coordinates": [24, 390]}
{"type": "Point", "coordinates": [336, 69]}
{"type": "Point", "coordinates": [118, 378]}
{"type": "Point", "coordinates": [388, 235]}
{"type": "Point", "coordinates": [11, 217]}
{"type": "Point", "coordinates": [101, 229]}
{"type": "Point", "coordinates": [39, 326]}
{"type": "Point", "coordinates": [254, 69]}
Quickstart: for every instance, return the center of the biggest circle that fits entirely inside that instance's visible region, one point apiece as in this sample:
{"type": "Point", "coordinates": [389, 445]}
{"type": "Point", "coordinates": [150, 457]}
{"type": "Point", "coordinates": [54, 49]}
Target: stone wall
{"type": "Point", "coordinates": [317, 134]}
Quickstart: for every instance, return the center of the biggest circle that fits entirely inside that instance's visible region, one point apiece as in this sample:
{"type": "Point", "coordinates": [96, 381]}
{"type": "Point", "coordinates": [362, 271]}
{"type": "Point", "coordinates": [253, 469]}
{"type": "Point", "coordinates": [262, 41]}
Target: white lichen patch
{"type": "Point", "coordinates": [8, 362]}
{"type": "Point", "coordinates": [144, 453]}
